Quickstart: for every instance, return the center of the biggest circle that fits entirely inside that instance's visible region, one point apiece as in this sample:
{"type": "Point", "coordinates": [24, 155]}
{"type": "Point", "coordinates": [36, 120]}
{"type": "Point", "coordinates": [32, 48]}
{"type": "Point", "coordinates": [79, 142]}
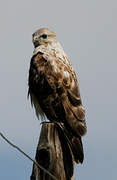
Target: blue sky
{"type": "Point", "coordinates": [87, 31]}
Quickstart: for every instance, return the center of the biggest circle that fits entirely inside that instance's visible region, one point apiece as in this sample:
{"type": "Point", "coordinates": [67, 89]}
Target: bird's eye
{"type": "Point", "coordinates": [44, 36]}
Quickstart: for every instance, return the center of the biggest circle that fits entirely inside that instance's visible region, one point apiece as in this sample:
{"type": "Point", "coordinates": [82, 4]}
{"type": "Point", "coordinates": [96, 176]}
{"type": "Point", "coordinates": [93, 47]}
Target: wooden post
{"type": "Point", "coordinates": [54, 154]}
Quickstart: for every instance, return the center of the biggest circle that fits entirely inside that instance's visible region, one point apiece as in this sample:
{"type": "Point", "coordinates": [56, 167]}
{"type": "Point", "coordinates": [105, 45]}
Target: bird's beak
{"type": "Point", "coordinates": [35, 38]}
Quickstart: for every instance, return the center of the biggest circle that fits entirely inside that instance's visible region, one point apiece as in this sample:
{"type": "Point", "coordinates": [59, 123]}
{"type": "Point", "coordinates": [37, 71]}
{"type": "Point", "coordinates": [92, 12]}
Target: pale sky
{"type": "Point", "coordinates": [87, 30]}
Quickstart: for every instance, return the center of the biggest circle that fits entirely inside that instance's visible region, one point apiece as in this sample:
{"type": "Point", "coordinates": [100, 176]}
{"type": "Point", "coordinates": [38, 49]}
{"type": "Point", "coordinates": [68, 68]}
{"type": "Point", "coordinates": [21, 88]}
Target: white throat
{"type": "Point", "coordinates": [54, 49]}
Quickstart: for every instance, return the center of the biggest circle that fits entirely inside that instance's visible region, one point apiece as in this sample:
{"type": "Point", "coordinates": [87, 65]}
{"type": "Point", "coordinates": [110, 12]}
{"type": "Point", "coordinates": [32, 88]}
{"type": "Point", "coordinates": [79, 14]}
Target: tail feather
{"type": "Point", "coordinates": [75, 143]}
{"type": "Point", "coordinates": [77, 149]}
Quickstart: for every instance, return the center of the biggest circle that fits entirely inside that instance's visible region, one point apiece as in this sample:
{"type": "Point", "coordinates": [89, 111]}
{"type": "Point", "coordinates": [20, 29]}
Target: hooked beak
{"type": "Point", "coordinates": [35, 39]}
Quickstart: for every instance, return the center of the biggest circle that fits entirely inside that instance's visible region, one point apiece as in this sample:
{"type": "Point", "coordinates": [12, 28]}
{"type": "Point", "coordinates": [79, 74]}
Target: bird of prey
{"type": "Point", "coordinates": [54, 89]}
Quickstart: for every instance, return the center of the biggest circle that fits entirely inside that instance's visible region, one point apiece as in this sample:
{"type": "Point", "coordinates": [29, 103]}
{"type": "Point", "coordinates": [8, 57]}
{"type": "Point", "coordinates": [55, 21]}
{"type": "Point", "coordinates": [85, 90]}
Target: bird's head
{"type": "Point", "coordinates": [43, 36]}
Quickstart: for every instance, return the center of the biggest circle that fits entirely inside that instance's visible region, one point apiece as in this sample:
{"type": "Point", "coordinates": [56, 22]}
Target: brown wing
{"type": "Point", "coordinates": [55, 88]}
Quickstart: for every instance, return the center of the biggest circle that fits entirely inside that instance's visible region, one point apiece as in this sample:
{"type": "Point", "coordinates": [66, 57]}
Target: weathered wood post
{"type": "Point", "coordinates": [54, 154]}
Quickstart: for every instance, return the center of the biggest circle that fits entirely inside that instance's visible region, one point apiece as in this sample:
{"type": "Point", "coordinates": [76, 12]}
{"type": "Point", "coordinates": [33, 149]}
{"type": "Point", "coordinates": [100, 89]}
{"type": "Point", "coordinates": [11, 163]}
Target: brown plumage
{"type": "Point", "coordinates": [54, 89]}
